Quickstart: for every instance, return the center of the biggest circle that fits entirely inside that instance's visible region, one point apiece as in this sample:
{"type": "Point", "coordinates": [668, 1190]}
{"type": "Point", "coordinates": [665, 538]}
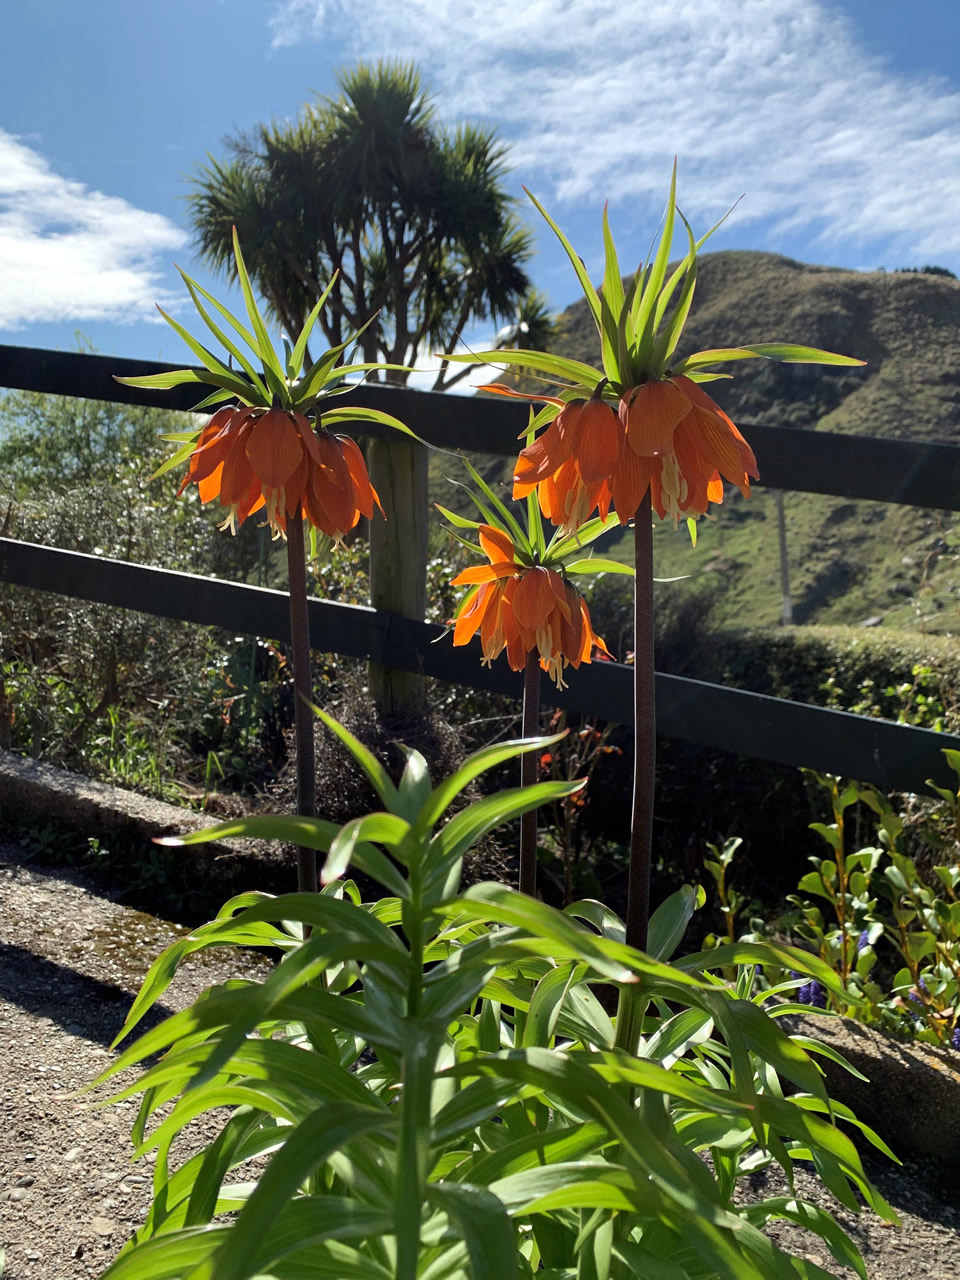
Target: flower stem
{"type": "Point", "coordinates": [302, 696]}
{"type": "Point", "coordinates": [528, 773]}
{"type": "Point", "coordinates": [645, 740]}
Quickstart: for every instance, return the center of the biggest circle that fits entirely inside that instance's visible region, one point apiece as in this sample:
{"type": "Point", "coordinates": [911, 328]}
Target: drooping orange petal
{"type": "Point", "coordinates": [329, 497]}
{"type": "Point", "coordinates": [597, 444]}
{"type": "Point", "coordinates": [650, 413]}
{"type": "Point", "coordinates": [696, 468]}
{"type": "Point", "coordinates": [496, 544]}
{"type": "Point", "coordinates": [548, 452]}
{"type": "Point", "coordinates": [209, 486]}
{"type": "Point", "coordinates": [492, 635]}
{"type": "Point", "coordinates": [471, 617]}
{"type": "Point", "coordinates": [699, 397]}
{"type": "Point", "coordinates": [512, 626]}
{"type": "Point", "coordinates": [558, 587]}
{"type": "Point", "coordinates": [720, 448]}
{"type": "Point", "coordinates": [212, 446]}
{"type": "Point", "coordinates": [274, 448]}
{"type": "Point", "coordinates": [364, 492]}
{"type": "Point", "coordinates": [248, 502]}
{"type": "Point", "coordinates": [572, 630]}
{"type": "Point", "coordinates": [238, 476]}
{"type": "Point", "coordinates": [516, 652]}
{"type": "Point", "coordinates": [534, 599]}
{"type": "Point", "coordinates": [631, 480]}
{"type": "Point", "coordinates": [296, 486]}
{"type": "Point", "coordinates": [566, 500]}
{"type": "Point", "coordinates": [484, 573]}
{"type": "Point", "coordinates": [307, 435]}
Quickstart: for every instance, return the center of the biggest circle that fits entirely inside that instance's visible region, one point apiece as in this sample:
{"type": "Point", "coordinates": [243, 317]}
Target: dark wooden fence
{"type": "Point", "coordinates": [894, 757]}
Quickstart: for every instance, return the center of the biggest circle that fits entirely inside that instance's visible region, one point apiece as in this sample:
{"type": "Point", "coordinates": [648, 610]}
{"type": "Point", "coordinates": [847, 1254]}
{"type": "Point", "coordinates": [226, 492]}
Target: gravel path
{"type": "Point", "coordinates": [71, 959]}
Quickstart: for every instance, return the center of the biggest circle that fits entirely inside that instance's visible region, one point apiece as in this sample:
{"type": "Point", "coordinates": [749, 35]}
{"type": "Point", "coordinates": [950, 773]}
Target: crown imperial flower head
{"type": "Point", "coordinates": [522, 608]}
{"type": "Point", "coordinates": [643, 423]}
{"type": "Point", "coordinates": [254, 458]}
{"type": "Point", "coordinates": [522, 599]}
{"type": "Point", "coordinates": [262, 451]}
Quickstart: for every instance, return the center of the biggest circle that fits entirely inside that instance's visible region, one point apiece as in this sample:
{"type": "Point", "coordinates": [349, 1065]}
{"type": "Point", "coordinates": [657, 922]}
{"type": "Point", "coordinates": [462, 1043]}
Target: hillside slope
{"type": "Point", "coordinates": [849, 561]}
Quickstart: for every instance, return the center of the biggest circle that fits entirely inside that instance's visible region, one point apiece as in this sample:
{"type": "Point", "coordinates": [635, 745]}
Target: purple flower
{"type": "Point", "coordinates": [813, 994]}
{"type": "Point", "coordinates": [955, 1038]}
{"type": "Point", "coordinates": [915, 995]}
{"type": "Point", "coordinates": [863, 941]}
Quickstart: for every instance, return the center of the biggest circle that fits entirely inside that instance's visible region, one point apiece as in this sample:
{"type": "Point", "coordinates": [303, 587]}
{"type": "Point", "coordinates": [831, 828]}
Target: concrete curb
{"type": "Point", "coordinates": [34, 790]}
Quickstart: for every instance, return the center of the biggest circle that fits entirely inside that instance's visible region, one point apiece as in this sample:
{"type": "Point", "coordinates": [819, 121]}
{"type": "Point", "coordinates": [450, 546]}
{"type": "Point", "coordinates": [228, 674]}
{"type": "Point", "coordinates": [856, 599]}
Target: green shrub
{"type": "Point", "coordinates": [899, 675]}
{"type": "Point", "coordinates": [440, 1093]}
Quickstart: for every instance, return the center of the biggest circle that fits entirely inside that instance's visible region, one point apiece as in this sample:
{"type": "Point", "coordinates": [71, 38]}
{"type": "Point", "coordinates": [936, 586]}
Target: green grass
{"type": "Point", "coordinates": [848, 562]}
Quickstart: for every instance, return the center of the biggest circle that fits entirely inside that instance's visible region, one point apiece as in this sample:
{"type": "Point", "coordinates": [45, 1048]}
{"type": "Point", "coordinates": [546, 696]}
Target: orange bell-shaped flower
{"type": "Point", "coordinates": [255, 457]}
{"type": "Point", "coordinates": [523, 608]}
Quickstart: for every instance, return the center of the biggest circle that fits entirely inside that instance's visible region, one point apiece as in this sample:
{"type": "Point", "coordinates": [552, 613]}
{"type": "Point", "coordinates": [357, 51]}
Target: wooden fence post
{"type": "Point", "coordinates": [398, 557]}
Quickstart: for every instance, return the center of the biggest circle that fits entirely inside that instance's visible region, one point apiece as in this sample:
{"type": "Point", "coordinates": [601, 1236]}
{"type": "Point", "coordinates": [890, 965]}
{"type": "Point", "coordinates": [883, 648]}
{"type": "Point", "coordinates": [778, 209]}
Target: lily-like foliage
{"type": "Point", "coordinates": [639, 422]}
{"type": "Point", "coordinates": [427, 1086]}
{"type": "Point", "coordinates": [266, 446]}
{"type": "Point", "coordinates": [523, 599]}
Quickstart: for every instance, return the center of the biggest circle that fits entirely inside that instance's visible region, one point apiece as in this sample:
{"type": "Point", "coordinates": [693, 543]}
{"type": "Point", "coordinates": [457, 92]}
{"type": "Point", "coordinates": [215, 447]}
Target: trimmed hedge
{"type": "Point", "coordinates": [894, 674]}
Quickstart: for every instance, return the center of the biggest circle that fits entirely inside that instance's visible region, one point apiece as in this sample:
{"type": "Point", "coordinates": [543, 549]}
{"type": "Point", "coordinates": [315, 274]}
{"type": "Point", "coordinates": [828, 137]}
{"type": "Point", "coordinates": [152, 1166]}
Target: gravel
{"type": "Point", "coordinates": [71, 959]}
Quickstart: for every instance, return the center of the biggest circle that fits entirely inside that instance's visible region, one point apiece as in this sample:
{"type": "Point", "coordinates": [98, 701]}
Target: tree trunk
{"type": "Point", "coordinates": [398, 556]}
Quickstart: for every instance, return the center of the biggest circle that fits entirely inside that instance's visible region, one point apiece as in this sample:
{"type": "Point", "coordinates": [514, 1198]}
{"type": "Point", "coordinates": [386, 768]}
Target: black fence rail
{"type": "Point", "coordinates": [893, 756]}
{"type": "Point", "coordinates": [864, 467]}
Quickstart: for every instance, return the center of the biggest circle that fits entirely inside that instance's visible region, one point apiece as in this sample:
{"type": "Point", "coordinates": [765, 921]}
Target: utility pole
{"type": "Point", "coordinates": [786, 607]}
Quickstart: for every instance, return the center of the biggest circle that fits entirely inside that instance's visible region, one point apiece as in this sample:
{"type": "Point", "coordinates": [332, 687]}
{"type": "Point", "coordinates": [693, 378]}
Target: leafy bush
{"type": "Point", "coordinates": [440, 1092]}
{"type": "Point", "coordinates": [886, 922]}
{"type": "Point", "coordinates": [897, 675]}
{"type": "Point", "coordinates": [136, 699]}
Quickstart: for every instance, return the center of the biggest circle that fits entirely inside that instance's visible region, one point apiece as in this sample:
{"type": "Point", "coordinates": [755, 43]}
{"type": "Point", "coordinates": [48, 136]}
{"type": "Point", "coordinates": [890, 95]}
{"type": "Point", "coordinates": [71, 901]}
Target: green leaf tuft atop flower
{"type": "Point", "coordinates": [265, 447]}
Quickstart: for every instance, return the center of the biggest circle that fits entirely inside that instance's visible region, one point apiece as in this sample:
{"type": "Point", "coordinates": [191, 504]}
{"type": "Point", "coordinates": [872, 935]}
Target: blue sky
{"type": "Point", "coordinates": [837, 120]}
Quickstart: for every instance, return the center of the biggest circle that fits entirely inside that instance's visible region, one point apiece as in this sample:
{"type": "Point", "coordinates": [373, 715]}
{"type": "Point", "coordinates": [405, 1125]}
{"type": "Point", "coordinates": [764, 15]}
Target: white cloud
{"type": "Point", "coordinates": [776, 100]}
{"type": "Point", "coordinates": [71, 254]}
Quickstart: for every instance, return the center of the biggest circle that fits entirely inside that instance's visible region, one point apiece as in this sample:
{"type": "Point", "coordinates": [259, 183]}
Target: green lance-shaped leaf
{"type": "Point", "coordinates": [472, 823]}
{"type": "Point", "coordinates": [357, 413]}
{"type": "Point", "coordinates": [813, 1218]}
{"type": "Point", "coordinates": [298, 354]}
{"type": "Point", "coordinates": [548, 997]}
{"type": "Point", "coordinates": [580, 375]}
{"type": "Point", "coordinates": [475, 764]}
{"type": "Point", "coordinates": [669, 922]}
{"type": "Point", "coordinates": [484, 1225]}
{"type": "Point", "coordinates": [562, 545]}
{"type": "Point", "coordinates": [221, 375]}
{"type": "Point", "coordinates": [537, 1151]}
{"type": "Point", "coordinates": [589, 292]}
{"type": "Point", "coordinates": [248, 1246]}
{"type": "Point", "coordinates": [613, 337]}
{"type": "Point", "coordinates": [384, 828]}
{"type": "Point", "coordinates": [518, 534]}
{"type": "Point", "coordinates": [245, 364]}
{"type": "Point", "coordinates": [264, 348]}
{"type": "Point", "coordinates": [597, 564]}
{"type": "Point", "coordinates": [647, 295]}
{"type": "Point", "coordinates": [420, 1046]}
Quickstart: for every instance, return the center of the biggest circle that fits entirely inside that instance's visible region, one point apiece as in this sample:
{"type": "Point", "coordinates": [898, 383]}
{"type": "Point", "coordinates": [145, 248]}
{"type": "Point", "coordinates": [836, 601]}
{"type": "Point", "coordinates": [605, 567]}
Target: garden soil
{"type": "Point", "coordinates": [71, 959]}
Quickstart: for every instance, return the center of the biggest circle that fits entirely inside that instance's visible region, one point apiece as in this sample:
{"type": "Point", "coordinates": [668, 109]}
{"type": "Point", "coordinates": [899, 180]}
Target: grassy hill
{"type": "Point", "coordinates": [848, 561]}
